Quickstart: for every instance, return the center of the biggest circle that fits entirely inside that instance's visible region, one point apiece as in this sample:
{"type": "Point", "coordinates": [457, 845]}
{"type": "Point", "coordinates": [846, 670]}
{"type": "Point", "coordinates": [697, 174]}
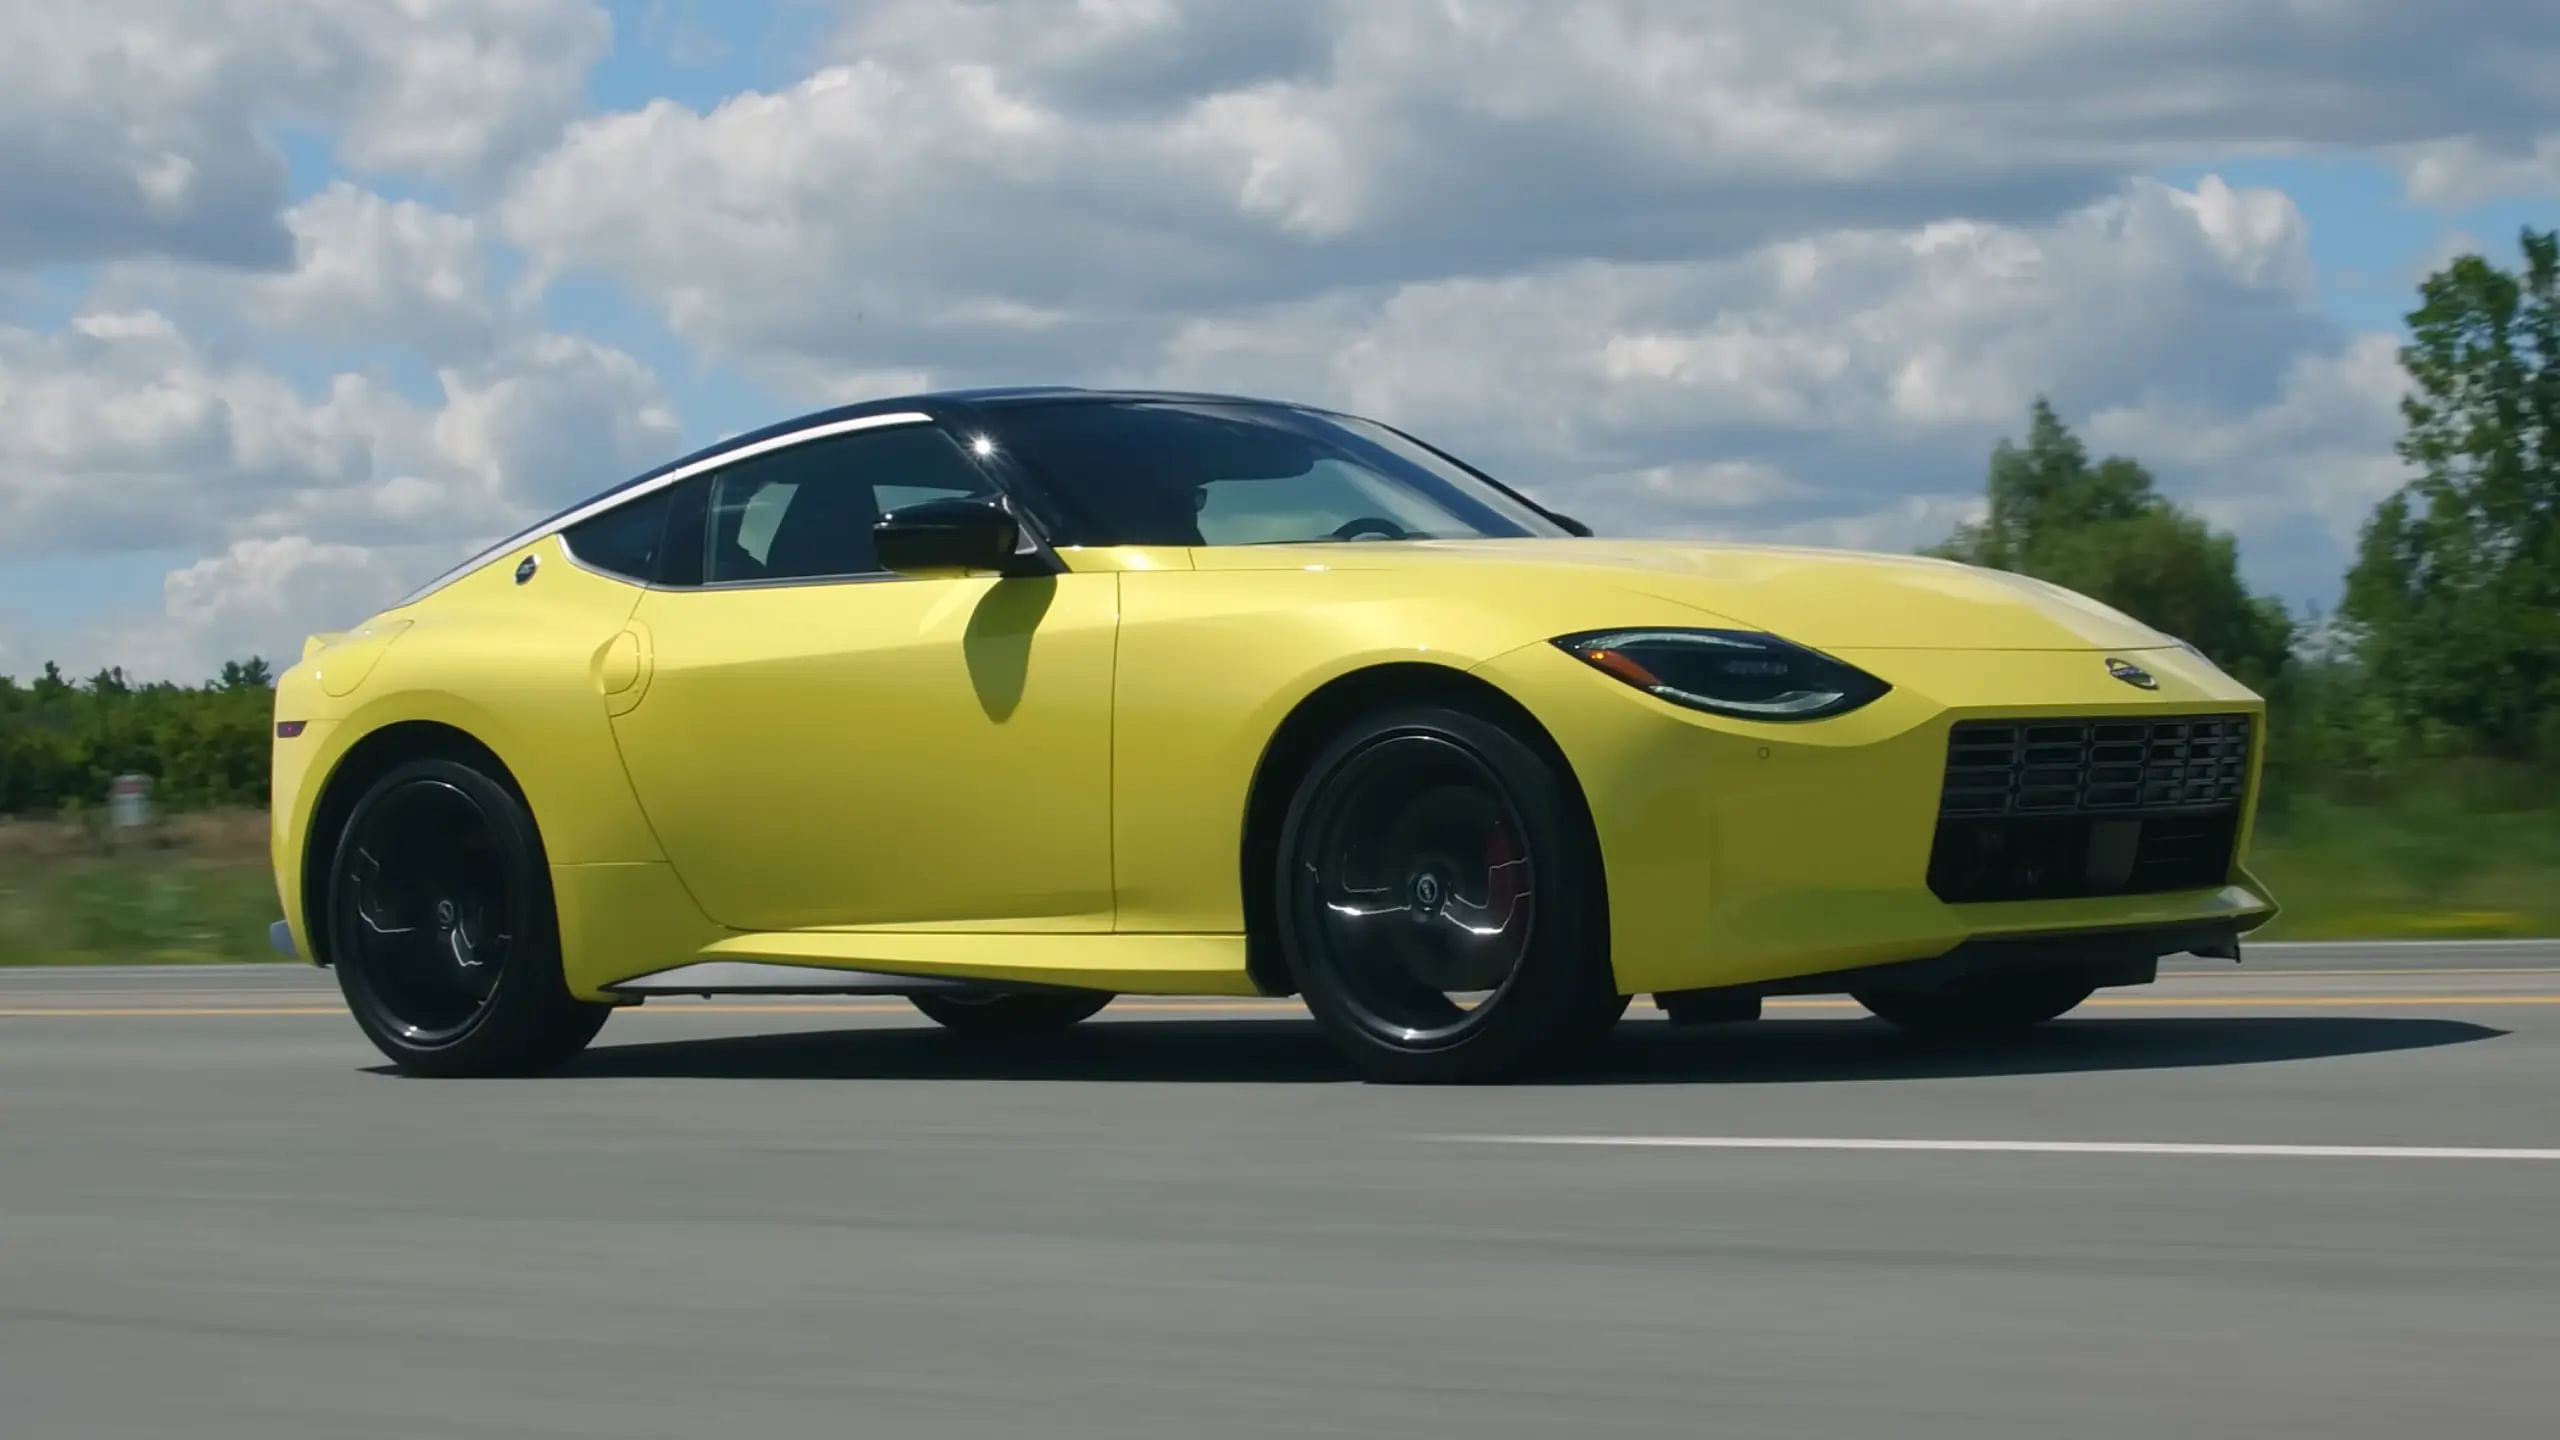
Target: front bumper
{"type": "Point", "coordinates": [1741, 853]}
{"type": "Point", "coordinates": [2102, 957]}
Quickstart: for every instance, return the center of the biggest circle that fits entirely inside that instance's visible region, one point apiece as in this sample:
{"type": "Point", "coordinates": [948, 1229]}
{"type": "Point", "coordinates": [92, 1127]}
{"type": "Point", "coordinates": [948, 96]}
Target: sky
{"type": "Point", "coordinates": [302, 300]}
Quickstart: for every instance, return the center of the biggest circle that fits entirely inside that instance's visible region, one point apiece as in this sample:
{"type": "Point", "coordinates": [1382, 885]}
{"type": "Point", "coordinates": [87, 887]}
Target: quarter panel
{"type": "Point", "coordinates": [514, 667]}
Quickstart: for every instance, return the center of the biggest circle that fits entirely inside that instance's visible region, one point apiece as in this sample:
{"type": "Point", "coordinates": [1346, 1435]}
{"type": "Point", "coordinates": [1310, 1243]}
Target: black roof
{"type": "Point", "coordinates": [940, 404]}
{"type": "Point", "coordinates": [935, 403]}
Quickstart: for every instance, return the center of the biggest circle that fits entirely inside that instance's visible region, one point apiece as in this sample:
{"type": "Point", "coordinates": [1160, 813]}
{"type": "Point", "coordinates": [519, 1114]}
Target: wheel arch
{"type": "Point", "coordinates": [1302, 733]}
{"type": "Point", "coordinates": [363, 763]}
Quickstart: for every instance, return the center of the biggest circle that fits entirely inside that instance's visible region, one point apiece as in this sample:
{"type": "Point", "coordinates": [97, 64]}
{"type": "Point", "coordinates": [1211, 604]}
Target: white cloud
{"type": "Point", "coordinates": [2459, 173]}
{"type": "Point", "coordinates": [365, 271]}
{"type": "Point", "coordinates": [120, 432]}
{"type": "Point", "coordinates": [260, 597]}
{"type": "Point", "coordinates": [1899, 336]}
{"type": "Point", "coordinates": [1845, 388]}
{"type": "Point", "coordinates": [1121, 168]}
{"type": "Point", "coordinates": [1706, 266]}
{"type": "Point", "coordinates": [2296, 477]}
{"type": "Point", "coordinates": [144, 127]}
{"type": "Point", "coordinates": [253, 597]}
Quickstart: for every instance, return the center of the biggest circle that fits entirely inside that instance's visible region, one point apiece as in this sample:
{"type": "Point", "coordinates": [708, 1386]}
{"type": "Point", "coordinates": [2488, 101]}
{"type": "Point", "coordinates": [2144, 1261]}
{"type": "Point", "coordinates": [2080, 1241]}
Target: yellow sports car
{"type": "Point", "coordinates": [1013, 701]}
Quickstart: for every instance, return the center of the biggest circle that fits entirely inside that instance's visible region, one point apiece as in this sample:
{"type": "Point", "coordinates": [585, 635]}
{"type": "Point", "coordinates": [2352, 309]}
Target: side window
{"type": "Point", "coordinates": [624, 541]}
{"type": "Point", "coordinates": [654, 540]}
{"type": "Point", "coordinates": [806, 512]}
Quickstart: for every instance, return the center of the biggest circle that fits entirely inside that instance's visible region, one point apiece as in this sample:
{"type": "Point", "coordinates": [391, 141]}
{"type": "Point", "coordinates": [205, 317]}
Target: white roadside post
{"type": "Point", "coordinates": [128, 806]}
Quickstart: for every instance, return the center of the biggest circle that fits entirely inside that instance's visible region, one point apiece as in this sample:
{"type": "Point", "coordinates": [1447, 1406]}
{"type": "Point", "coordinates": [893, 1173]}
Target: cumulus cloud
{"type": "Point", "coordinates": [365, 270]}
{"type": "Point", "coordinates": [1895, 336]}
{"type": "Point", "coordinates": [254, 597]}
{"type": "Point", "coordinates": [1102, 166]}
{"type": "Point", "coordinates": [120, 432]}
{"type": "Point", "coordinates": [1683, 266]}
{"type": "Point", "coordinates": [145, 127]}
{"type": "Point", "coordinates": [2295, 477]}
{"type": "Point", "coordinates": [2455, 174]}
{"type": "Point", "coordinates": [1845, 388]}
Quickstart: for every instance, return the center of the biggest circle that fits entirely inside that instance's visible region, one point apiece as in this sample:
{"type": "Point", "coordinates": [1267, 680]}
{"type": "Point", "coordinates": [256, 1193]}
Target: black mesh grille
{"type": "Point", "coordinates": [2043, 767]}
{"type": "Point", "coordinates": [2054, 809]}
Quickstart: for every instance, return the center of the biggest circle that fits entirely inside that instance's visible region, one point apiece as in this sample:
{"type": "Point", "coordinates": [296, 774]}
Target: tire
{"type": "Point", "coordinates": [442, 929]}
{"type": "Point", "coordinates": [1984, 1007]}
{"type": "Point", "coordinates": [998, 1013]}
{"type": "Point", "coordinates": [1409, 837]}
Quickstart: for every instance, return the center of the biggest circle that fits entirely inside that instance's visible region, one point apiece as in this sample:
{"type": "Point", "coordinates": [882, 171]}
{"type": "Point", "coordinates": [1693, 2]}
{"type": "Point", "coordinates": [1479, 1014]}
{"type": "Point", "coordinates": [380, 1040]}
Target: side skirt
{"type": "Point", "coordinates": [756, 977]}
{"type": "Point", "coordinates": [908, 962]}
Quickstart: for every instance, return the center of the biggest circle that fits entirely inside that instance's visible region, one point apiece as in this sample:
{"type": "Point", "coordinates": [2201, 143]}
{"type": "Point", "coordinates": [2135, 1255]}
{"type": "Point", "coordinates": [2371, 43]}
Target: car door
{"type": "Point", "coordinates": [823, 744]}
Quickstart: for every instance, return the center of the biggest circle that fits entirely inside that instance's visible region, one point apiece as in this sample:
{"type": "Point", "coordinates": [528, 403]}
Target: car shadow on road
{"type": "Point", "coordinates": [1640, 1052]}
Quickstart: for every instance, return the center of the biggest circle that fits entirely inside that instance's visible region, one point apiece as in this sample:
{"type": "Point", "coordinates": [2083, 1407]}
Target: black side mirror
{"type": "Point", "coordinates": [952, 537]}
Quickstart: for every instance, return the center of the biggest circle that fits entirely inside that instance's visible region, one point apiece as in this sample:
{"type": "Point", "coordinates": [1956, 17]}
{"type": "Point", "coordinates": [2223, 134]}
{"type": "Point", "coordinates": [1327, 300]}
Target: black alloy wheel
{"type": "Point", "coordinates": [1439, 901]}
{"type": "Point", "coordinates": [441, 928]}
{"type": "Point", "coordinates": [1009, 1013]}
{"type": "Point", "coordinates": [1980, 1008]}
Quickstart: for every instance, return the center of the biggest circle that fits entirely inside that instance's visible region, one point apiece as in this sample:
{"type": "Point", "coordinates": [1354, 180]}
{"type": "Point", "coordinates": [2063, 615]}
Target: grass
{"type": "Point", "coordinates": [194, 890]}
{"type": "Point", "coordinates": [197, 890]}
{"type": "Point", "coordinates": [2434, 866]}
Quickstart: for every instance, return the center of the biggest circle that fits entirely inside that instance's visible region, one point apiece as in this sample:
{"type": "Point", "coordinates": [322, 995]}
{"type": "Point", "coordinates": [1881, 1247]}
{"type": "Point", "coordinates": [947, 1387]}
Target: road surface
{"type": "Point", "coordinates": [2332, 1209]}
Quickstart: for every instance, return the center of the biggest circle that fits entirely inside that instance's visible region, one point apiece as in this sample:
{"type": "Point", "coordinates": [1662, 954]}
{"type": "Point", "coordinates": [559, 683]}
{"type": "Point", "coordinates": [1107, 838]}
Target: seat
{"type": "Point", "coordinates": [826, 531]}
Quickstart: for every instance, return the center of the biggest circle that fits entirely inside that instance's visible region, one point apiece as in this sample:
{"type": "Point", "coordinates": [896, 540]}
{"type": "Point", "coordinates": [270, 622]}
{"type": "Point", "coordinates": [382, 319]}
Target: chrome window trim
{"type": "Point", "coordinates": [779, 582]}
{"type": "Point", "coordinates": [859, 577]}
{"type": "Point", "coordinates": [620, 498]}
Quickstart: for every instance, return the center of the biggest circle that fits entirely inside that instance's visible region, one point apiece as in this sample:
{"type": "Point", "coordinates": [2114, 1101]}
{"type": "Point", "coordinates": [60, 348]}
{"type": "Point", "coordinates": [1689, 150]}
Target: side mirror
{"type": "Point", "coordinates": [950, 537]}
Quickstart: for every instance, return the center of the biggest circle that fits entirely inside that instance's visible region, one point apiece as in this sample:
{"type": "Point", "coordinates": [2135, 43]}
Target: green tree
{"type": "Point", "coordinates": [2105, 531]}
{"type": "Point", "coordinates": [61, 743]}
{"type": "Point", "coordinates": [2455, 592]}
{"type": "Point", "coordinates": [249, 674]}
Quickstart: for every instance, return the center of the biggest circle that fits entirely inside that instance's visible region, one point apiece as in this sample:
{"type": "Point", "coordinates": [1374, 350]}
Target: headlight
{"type": "Point", "coordinates": [1742, 673]}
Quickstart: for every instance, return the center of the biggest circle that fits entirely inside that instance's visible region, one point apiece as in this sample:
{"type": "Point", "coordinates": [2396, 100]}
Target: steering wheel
{"type": "Point", "coordinates": [1370, 525]}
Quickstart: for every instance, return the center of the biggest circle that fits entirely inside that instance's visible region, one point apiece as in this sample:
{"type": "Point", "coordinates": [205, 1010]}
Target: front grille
{"type": "Point", "coordinates": [2056, 809]}
{"type": "Point", "coordinates": [2034, 767]}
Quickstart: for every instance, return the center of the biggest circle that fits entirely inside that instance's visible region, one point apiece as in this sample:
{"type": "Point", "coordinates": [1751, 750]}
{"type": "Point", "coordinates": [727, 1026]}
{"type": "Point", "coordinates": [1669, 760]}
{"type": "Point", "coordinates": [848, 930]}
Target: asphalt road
{"type": "Point", "coordinates": [220, 1218]}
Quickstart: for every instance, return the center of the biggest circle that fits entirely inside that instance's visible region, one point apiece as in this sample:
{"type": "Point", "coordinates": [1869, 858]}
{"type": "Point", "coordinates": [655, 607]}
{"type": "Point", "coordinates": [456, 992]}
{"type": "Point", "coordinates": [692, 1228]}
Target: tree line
{"type": "Point", "coordinates": [2440, 666]}
{"type": "Point", "coordinates": [63, 743]}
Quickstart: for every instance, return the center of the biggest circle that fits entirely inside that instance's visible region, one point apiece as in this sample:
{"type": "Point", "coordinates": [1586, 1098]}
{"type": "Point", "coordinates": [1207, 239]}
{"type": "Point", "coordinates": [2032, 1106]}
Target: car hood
{"type": "Point", "coordinates": [1829, 599]}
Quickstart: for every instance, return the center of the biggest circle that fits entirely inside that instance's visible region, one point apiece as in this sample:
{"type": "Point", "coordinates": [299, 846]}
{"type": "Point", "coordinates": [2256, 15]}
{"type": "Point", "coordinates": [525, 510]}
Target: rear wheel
{"type": "Point", "coordinates": [1989, 1005]}
{"type": "Point", "coordinates": [441, 927]}
{"type": "Point", "coordinates": [996, 1012]}
{"type": "Point", "coordinates": [1440, 901]}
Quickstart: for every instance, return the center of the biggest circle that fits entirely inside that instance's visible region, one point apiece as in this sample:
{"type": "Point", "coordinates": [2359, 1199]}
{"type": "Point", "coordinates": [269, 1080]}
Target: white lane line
{"type": "Point", "coordinates": [2015, 1147]}
{"type": "Point", "coordinates": [2311, 947]}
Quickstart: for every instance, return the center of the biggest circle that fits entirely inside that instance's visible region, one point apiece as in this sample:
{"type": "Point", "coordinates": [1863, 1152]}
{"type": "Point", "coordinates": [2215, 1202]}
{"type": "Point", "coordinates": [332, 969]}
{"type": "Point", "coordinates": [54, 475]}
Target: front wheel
{"type": "Point", "coordinates": [1026, 1012]}
{"type": "Point", "coordinates": [1440, 902]}
{"type": "Point", "coordinates": [1993, 1005]}
{"type": "Point", "coordinates": [441, 928]}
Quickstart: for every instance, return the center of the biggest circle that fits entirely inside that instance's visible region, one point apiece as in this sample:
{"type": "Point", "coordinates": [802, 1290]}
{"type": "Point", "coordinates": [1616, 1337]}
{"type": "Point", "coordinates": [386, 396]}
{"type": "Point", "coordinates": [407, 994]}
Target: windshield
{"type": "Point", "coordinates": [1181, 473]}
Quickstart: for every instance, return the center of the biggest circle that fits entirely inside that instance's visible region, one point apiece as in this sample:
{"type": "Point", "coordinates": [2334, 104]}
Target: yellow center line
{"type": "Point", "coordinates": [1274, 1007]}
